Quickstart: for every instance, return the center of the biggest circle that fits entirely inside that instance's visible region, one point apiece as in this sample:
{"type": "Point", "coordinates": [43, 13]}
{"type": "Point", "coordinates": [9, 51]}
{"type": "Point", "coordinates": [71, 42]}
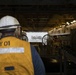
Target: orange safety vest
{"type": "Point", "coordinates": [15, 54]}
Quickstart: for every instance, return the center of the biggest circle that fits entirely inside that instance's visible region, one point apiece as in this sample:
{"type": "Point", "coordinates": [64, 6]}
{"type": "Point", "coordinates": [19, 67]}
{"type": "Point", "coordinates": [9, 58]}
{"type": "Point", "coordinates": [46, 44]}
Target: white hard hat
{"type": "Point", "coordinates": [8, 22]}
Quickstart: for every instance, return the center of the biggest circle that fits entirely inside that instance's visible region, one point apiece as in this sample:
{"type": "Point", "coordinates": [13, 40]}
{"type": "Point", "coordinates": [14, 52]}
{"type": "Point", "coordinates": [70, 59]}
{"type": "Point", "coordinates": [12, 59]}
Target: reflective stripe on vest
{"type": "Point", "coordinates": [15, 57]}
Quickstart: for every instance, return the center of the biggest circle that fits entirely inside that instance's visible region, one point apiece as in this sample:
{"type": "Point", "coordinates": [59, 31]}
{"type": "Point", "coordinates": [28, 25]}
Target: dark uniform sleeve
{"type": "Point", "coordinates": [39, 68]}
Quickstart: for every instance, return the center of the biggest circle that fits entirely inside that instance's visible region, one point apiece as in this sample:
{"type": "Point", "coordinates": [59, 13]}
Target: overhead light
{"type": "Point", "coordinates": [67, 23]}
{"type": "Point", "coordinates": [54, 61]}
{"type": "Point", "coordinates": [71, 22]}
{"type": "Point", "coordinates": [74, 21]}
